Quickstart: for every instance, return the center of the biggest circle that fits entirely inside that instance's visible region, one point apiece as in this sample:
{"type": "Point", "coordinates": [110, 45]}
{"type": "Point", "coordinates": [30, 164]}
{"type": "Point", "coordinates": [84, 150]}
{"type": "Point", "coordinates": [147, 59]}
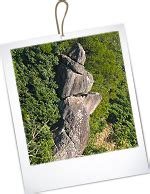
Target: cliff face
{"type": "Point", "coordinates": [77, 104]}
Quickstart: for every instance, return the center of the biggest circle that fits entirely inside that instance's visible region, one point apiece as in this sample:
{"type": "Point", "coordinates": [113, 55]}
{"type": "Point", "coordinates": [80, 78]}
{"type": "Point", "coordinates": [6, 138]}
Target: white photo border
{"type": "Point", "coordinates": [83, 170]}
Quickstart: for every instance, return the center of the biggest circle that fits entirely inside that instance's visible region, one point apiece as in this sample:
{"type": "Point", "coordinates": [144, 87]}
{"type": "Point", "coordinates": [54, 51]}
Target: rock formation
{"type": "Point", "coordinates": [76, 106]}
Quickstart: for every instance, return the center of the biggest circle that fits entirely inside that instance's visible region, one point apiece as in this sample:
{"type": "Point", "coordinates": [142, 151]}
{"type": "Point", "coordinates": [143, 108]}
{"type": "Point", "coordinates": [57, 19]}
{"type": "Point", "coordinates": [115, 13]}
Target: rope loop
{"type": "Point", "coordinates": [56, 17]}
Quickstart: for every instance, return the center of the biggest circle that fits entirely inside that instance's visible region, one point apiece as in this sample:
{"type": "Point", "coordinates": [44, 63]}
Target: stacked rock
{"type": "Point", "coordinates": [77, 104]}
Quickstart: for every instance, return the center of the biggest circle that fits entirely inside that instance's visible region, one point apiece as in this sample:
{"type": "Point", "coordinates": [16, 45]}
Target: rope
{"type": "Point", "coordinates": [56, 17]}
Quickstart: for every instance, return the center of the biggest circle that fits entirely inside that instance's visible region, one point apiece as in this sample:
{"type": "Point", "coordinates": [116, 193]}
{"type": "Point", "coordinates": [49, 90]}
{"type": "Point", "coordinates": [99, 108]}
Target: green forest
{"type": "Point", "coordinates": [111, 125]}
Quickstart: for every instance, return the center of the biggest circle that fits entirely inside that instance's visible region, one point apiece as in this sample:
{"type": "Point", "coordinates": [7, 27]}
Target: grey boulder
{"type": "Point", "coordinates": [91, 102]}
{"type": "Point", "coordinates": [73, 136]}
{"type": "Point", "coordinates": [76, 84]}
{"type": "Point", "coordinates": [71, 64]}
{"type": "Point", "coordinates": [77, 53]}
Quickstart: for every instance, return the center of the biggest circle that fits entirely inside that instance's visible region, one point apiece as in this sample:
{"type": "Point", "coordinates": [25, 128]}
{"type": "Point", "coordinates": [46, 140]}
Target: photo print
{"type": "Point", "coordinates": [74, 98]}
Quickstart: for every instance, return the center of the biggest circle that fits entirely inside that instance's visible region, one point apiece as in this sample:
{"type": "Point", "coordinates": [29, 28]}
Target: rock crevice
{"type": "Point", "coordinates": [77, 104]}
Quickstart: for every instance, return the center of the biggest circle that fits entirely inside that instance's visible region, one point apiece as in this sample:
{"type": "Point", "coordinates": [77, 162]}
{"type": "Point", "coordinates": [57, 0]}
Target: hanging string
{"type": "Point", "coordinates": [56, 17]}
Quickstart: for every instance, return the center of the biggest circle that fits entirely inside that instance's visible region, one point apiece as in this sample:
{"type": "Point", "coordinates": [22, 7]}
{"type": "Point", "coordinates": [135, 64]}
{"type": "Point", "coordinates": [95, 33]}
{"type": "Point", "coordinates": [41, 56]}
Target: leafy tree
{"type": "Point", "coordinates": [39, 102]}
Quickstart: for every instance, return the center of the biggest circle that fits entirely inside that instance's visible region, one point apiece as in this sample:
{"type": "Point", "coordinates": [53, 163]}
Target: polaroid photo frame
{"type": "Point", "coordinates": [81, 170]}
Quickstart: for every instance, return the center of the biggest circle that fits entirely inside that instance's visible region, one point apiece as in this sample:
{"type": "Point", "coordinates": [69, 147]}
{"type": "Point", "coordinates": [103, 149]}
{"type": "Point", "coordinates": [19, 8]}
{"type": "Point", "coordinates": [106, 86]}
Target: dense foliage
{"type": "Point", "coordinates": [35, 75]}
{"type": "Point", "coordinates": [39, 102]}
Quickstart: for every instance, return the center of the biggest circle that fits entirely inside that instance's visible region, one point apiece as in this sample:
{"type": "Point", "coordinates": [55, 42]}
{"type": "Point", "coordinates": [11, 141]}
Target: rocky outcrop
{"type": "Point", "coordinates": [77, 54]}
{"type": "Point", "coordinates": [77, 104]}
{"type": "Point", "coordinates": [74, 78]}
{"type": "Point", "coordinates": [91, 101]}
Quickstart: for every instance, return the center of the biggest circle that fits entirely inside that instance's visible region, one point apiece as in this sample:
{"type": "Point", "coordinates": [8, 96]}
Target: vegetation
{"type": "Point", "coordinates": [39, 102]}
{"type": "Point", "coordinates": [35, 75]}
